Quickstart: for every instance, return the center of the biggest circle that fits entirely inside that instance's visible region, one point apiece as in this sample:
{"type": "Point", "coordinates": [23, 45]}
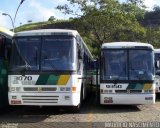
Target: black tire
{"type": "Point", "coordinates": [157, 96]}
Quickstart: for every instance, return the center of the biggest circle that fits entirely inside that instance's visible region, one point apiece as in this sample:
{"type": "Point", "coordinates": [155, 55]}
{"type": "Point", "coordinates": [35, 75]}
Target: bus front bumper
{"type": "Point", "coordinates": [44, 99]}
{"type": "Point", "coordinates": [127, 99]}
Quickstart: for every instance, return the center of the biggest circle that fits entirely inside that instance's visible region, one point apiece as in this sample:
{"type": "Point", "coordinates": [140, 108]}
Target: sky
{"type": "Point", "coordinates": [39, 10]}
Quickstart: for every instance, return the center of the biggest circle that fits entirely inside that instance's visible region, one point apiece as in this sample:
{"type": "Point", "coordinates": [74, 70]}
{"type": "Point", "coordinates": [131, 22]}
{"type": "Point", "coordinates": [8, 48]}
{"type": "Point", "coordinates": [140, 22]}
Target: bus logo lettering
{"type": "Point", "coordinates": [114, 86]}
{"type": "Point", "coordinates": [23, 78]}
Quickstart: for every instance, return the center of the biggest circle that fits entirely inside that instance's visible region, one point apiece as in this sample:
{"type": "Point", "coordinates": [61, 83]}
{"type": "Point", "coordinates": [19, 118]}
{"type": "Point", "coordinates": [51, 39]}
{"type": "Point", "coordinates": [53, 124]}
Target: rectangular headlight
{"type": "Point", "coordinates": [12, 89]}
{"type": "Point", "coordinates": [65, 89]}
{"type": "Point", "coordinates": [149, 91]}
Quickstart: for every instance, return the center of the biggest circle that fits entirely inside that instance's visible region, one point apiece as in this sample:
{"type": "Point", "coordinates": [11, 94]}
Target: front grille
{"type": "Point", "coordinates": [39, 89]}
{"type": "Point", "coordinates": [121, 91]}
{"type": "Point", "coordinates": [135, 91]}
{"type": "Point", "coordinates": [128, 91]}
{"type": "Point", "coordinates": [30, 89]}
{"type": "Point", "coordinates": [39, 99]}
{"type": "Point", "coordinates": [49, 89]}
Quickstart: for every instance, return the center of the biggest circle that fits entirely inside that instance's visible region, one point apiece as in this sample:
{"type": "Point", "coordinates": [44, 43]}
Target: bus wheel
{"type": "Point", "coordinates": [77, 108]}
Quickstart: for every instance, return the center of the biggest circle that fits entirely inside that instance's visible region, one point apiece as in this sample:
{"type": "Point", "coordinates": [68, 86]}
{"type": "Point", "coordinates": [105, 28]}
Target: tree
{"type": "Point", "coordinates": [52, 19]}
{"type": "Point", "coordinates": [106, 21]}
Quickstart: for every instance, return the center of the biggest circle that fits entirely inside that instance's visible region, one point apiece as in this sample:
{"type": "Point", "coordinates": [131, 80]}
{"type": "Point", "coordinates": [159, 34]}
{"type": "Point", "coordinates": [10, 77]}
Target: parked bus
{"type": "Point", "coordinates": [5, 49]}
{"type": "Point", "coordinates": [157, 69]}
{"type": "Point", "coordinates": [49, 67]}
{"type": "Point", "coordinates": [127, 73]}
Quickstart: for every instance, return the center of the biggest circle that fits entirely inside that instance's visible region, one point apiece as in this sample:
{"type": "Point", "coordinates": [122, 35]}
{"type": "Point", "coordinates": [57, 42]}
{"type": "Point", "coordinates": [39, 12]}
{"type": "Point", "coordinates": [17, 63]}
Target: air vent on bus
{"type": "Point", "coordinates": [128, 91]}
{"type": "Point", "coordinates": [39, 89]}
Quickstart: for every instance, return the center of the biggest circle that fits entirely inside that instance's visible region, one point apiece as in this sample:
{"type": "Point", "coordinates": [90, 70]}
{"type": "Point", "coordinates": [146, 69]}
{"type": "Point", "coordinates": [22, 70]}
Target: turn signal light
{"type": "Point", "coordinates": [73, 89]}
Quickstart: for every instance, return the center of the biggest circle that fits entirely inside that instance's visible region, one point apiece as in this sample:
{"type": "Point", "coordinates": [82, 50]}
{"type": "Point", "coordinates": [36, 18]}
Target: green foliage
{"type": "Point", "coordinates": [153, 36]}
{"type": "Point", "coordinates": [152, 18]}
{"type": "Point", "coordinates": [52, 19]}
{"type": "Point", "coordinates": [39, 25]}
{"type": "Point", "coordinates": [107, 21]}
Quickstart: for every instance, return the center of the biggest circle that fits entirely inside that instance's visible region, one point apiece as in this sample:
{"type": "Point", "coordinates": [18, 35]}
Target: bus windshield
{"type": "Point", "coordinates": [57, 54]}
{"type": "Point", "coordinates": [127, 65]}
{"type": "Point", "coordinates": [115, 65]}
{"type": "Point", "coordinates": [141, 65]}
{"type": "Point", "coordinates": [46, 54]}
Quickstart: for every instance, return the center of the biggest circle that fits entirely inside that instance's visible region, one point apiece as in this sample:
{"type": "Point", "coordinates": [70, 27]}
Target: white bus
{"type": "Point", "coordinates": [157, 69]}
{"type": "Point", "coordinates": [49, 67]}
{"type": "Point", "coordinates": [127, 73]}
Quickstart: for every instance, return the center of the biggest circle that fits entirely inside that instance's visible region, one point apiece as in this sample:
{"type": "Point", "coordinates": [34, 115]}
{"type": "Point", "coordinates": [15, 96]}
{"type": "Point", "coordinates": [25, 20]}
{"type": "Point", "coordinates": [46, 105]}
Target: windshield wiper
{"type": "Point", "coordinates": [26, 63]}
{"type": "Point", "coordinates": [117, 77]}
{"type": "Point", "coordinates": [140, 74]}
{"type": "Point", "coordinates": [22, 68]}
{"type": "Point", "coordinates": [51, 64]}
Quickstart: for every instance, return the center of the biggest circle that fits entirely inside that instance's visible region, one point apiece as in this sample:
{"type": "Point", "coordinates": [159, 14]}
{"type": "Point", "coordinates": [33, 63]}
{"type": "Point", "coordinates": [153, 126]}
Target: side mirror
{"type": "Point", "coordinates": [157, 64]}
{"type": "Point", "coordinates": [79, 55]}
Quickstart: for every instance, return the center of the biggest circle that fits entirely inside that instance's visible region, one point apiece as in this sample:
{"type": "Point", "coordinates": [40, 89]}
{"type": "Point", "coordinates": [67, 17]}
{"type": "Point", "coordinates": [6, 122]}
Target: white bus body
{"type": "Point", "coordinates": [49, 67]}
{"type": "Point", "coordinates": [157, 69]}
{"type": "Point", "coordinates": [127, 73]}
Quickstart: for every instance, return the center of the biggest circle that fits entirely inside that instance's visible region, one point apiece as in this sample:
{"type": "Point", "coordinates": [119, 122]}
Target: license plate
{"type": "Point", "coordinates": [108, 101]}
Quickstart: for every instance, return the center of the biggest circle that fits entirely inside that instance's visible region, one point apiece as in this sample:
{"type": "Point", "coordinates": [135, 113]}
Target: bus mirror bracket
{"type": "Point", "coordinates": [79, 55]}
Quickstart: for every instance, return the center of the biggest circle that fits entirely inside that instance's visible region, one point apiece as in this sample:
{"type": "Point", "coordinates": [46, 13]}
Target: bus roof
{"type": "Point", "coordinates": [157, 50]}
{"type": "Point", "coordinates": [41, 32]}
{"type": "Point", "coordinates": [5, 32]}
{"type": "Point", "coordinates": [126, 45]}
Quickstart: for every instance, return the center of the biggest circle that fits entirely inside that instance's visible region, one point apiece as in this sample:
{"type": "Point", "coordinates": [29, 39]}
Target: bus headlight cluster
{"type": "Point", "coordinates": [107, 91]}
{"type": "Point", "coordinates": [68, 89]}
{"type": "Point", "coordinates": [149, 91]}
{"type": "Point", "coordinates": [14, 89]}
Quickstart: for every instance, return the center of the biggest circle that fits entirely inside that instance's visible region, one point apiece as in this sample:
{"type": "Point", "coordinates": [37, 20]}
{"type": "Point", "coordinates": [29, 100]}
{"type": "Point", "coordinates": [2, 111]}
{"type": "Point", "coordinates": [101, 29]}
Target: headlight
{"type": "Point", "coordinates": [107, 91]}
{"type": "Point", "coordinates": [14, 89]}
{"type": "Point", "coordinates": [149, 91]}
{"type": "Point", "coordinates": [18, 89]}
{"type": "Point", "coordinates": [68, 89]}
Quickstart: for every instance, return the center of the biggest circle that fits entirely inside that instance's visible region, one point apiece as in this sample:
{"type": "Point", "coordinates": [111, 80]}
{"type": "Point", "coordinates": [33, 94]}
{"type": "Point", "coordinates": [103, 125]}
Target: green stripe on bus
{"type": "Point", "coordinates": [137, 86]}
{"type": "Point", "coordinates": [53, 79]}
{"type": "Point", "coordinates": [42, 79]}
{"type": "Point", "coordinates": [46, 79]}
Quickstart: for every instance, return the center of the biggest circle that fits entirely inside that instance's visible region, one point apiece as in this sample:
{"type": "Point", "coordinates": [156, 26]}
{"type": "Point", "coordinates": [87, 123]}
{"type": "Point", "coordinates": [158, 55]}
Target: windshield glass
{"type": "Point", "coordinates": [57, 53]}
{"type": "Point", "coordinates": [141, 65]}
{"type": "Point", "coordinates": [115, 65]}
{"type": "Point", "coordinates": [25, 54]}
{"type": "Point", "coordinates": [47, 54]}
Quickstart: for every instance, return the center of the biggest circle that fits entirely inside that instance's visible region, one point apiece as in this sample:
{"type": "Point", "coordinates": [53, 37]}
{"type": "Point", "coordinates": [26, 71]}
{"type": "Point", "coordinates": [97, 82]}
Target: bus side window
{"type": "Point", "coordinates": [79, 58]}
{"type": "Point", "coordinates": [1, 47]}
{"type": "Point", "coordinates": [7, 49]}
